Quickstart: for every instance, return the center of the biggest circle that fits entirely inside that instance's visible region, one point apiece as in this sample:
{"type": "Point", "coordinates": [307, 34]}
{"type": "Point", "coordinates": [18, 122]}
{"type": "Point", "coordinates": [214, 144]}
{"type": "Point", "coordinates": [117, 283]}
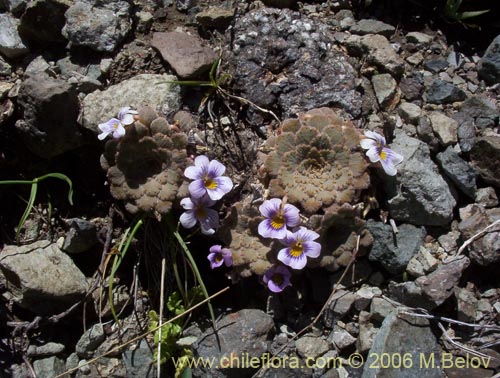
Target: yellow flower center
{"type": "Point", "coordinates": [116, 125]}
{"type": "Point", "coordinates": [297, 249]}
{"type": "Point", "coordinates": [277, 279]}
{"type": "Point", "coordinates": [209, 183]}
{"type": "Point", "coordinates": [383, 155]}
{"type": "Point", "coordinates": [218, 258]}
{"type": "Point", "coordinates": [278, 221]}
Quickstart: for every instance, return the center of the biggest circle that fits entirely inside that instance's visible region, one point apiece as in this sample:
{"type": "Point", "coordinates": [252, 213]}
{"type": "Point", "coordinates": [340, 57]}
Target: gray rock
{"type": "Point", "coordinates": [338, 307]}
{"type": "Point", "coordinates": [489, 65]}
{"type": "Point", "coordinates": [466, 131]}
{"type": "Point", "coordinates": [90, 341]}
{"type": "Point", "coordinates": [410, 112]}
{"type": "Point", "coordinates": [215, 17]}
{"type": "Point", "coordinates": [144, 21]}
{"type": "Point", "coordinates": [442, 92]}
{"type": "Point", "coordinates": [184, 5]}
{"type": "Point", "coordinates": [81, 236]}
{"type": "Point", "coordinates": [394, 251]}
{"type": "Point", "coordinates": [5, 68]}
{"type": "Point", "coordinates": [365, 26]}
{"type": "Point", "coordinates": [98, 25]}
{"type": "Point", "coordinates": [364, 296]}
{"type": "Point", "coordinates": [417, 37]}
{"type": "Point", "coordinates": [418, 194]}
{"type": "Point", "coordinates": [412, 86]}
{"type": "Point", "coordinates": [45, 350]}
{"type": "Point", "coordinates": [422, 263]}
{"type": "Point", "coordinates": [436, 66]}
{"type": "Point", "coordinates": [444, 127]}
{"type": "Point", "coordinates": [48, 367]}
{"type": "Point", "coordinates": [37, 66]}
{"type": "Point", "coordinates": [146, 89]}
{"type": "Point", "coordinates": [466, 305]}
{"type": "Point", "coordinates": [341, 338]}
{"type": "Point", "coordinates": [367, 332]}
{"type": "Point", "coordinates": [312, 346]}
{"type": "Point", "coordinates": [378, 51]}
{"type": "Point", "coordinates": [403, 335]}
{"type": "Point", "coordinates": [41, 278]}
{"type": "Point", "coordinates": [458, 170]}
{"type": "Point", "coordinates": [11, 44]}
{"type": "Point", "coordinates": [386, 90]}
{"type": "Point", "coordinates": [482, 110]}
{"type": "Point", "coordinates": [487, 197]}
{"type": "Point", "coordinates": [486, 249]}
{"type": "Point", "coordinates": [72, 361]}
{"type": "Point", "coordinates": [409, 294]}
{"type": "Point", "coordinates": [242, 333]}
{"type": "Point", "coordinates": [185, 53]}
{"type": "Point", "coordinates": [46, 130]}
{"type": "Point", "coordinates": [381, 308]}
{"type": "Point", "coordinates": [449, 241]}
{"type": "Point", "coordinates": [34, 28]}
{"type": "Point", "coordinates": [292, 50]}
{"type": "Point", "coordinates": [139, 362]}
{"type": "Point", "coordinates": [438, 286]}
{"type": "Point", "coordinates": [485, 155]}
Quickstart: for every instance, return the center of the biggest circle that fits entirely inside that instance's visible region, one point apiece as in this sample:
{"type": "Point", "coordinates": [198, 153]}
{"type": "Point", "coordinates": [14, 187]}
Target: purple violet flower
{"type": "Point", "coordinates": [278, 217]}
{"type": "Point", "coordinates": [300, 246]}
{"type": "Point", "coordinates": [198, 211]}
{"type": "Point", "coordinates": [208, 179]}
{"type": "Point", "coordinates": [277, 278]}
{"type": "Point", "coordinates": [219, 255]}
{"type": "Point", "coordinates": [115, 125]}
{"type": "Point", "coordinates": [377, 151]}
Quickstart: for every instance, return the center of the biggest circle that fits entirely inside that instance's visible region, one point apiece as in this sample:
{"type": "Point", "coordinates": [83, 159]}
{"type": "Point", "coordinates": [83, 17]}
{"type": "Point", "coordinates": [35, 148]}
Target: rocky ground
{"type": "Point", "coordinates": [420, 250]}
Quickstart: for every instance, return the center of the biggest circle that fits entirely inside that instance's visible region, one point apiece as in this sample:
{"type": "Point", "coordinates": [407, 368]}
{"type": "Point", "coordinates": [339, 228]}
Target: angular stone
{"type": "Point", "coordinates": [5, 68]}
{"type": "Point", "coordinates": [410, 112]}
{"type": "Point", "coordinates": [403, 335]}
{"type": "Point", "coordinates": [489, 64]}
{"type": "Point", "coordinates": [81, 236]}
{"type": "Point", "coordinates": [417, 37]}
{"type": "Point", "coordinates": [394, 251]}
{"type": "Point", "coordinates": [422, 263]}
{"type": "Point", "coordinates": [482, 110]}
{"type": "Point", "coordinates": [386, 90]}
{"type": "Point", "coordinates": [341, 338]}
{"type": "Point", "coordinates": [444, 127]}
{"type": "Point", "coordinates": [367, 332]}
{"type": "Point", "coordinates": [378, 51]}
{"type": "Point", "coordinates": [241, 333]}
{"type": "Point", "coordinates": [185, 53]}
{"type": "Point", "coordinates": [153, 90]}
{"type": "Point", "coordinates": [98, 25]}
{"type": "Point", "coordinates": [50, 106]}
{"type": "Point", "coordinates": [458, 170]}
{"type": "Point", "coordinates": [442, 92]}
{"type": "Point", "coordinates": [215, 17]}
{"type": "Point", "coordinates": [487, 197]}
{"type": "Point", "coordinates": [436, 66]}
{"type": "Point", "coordinates": [439, 285]}
{"type": "Point", "coordinates": [11, 44]}
{"type": "Point", "coordinates": [41, 278]}
{"type": "Point", "coordinates": [45, 350]}
{"type": "Point", "coordinates": [311, 346]}
{"type": "Point", "coordinates": [365, 26]}
{"type": "Point", "coordinates": [381, 308]}
{"type": "Point", "coordinates": [466, 131]}
{"type": "Point", "coordinates": [485, 156]}
{"type": "Point", "coordinates": [418, 194]}
{"type": "Point", "coordinates": [49, 367]}
{"type": "Point", "coordinates": [34, 28]}
{"type": "Point", "coordinates": [90, 340]}
{"type": "Point", "coordinates": [486, 249]}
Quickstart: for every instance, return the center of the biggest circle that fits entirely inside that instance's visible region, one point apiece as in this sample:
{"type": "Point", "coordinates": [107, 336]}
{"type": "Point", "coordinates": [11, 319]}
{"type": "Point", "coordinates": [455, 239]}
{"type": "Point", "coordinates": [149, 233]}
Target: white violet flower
{"type": "Point", "coordinates": [115, 125]}
{"type": "Point", "coordinates": [377, 151]}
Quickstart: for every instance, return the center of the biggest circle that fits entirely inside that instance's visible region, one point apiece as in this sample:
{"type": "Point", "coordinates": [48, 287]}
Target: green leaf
{"type": "Point", "coordinates": [28, 209]}
{"type": "Point", "coordinates": [466, 15]}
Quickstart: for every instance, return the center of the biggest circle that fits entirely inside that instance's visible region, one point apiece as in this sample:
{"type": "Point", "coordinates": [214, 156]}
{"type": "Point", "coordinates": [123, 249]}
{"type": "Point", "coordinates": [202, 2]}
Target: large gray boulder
{"type": "Point", "coordinates": [41, 278]}
{"type": "Point", "coordinates": [418, 194]}
{"type": "Point", "coordinates": [489, 65]}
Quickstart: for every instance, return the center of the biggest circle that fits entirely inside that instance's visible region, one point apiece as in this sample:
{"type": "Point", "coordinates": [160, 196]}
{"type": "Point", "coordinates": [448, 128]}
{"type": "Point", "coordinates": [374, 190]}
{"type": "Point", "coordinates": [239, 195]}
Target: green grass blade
{"type": "Point", "coordinates": [191, 83]}
{"type": "Point", "coordinates": [29, 207]}
{"type": "Point", "coordinates": [60, 176]}
{"type": "Point", "coordinates": [196, 273]}
{"type": "Point", "coordinates": [466, 15]}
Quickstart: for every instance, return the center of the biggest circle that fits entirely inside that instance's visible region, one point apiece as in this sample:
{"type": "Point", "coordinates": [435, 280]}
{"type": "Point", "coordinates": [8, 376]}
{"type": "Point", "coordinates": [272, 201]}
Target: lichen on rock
{"type": "Point", "coordinates": [145, 167]}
